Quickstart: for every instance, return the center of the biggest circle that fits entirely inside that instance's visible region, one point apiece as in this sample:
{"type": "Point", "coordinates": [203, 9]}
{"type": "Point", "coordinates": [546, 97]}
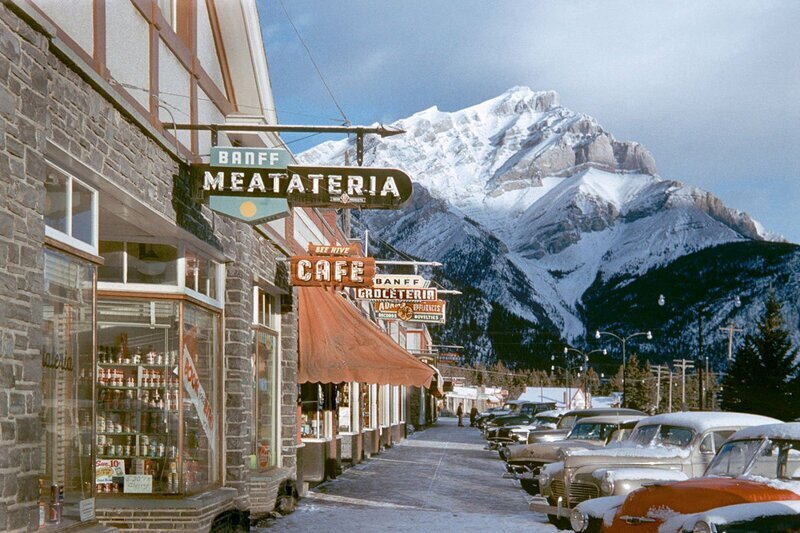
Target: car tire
{"type": "Point", "coordinates": [560, 523]}
{"type": "Point", "coordinates": [531, 486]}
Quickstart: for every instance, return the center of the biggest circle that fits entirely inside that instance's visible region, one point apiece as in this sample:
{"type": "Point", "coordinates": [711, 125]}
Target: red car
{"type": "Point", "coordinates": [757, 464]}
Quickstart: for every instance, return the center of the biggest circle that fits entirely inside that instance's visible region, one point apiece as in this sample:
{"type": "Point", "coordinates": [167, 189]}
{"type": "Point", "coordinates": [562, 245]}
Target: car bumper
{"type": "Point", "coordinates": [540, 504]}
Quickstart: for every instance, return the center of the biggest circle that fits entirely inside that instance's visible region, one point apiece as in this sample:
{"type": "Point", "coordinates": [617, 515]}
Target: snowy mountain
{"type": "Point", "coordinates": [538, 206]}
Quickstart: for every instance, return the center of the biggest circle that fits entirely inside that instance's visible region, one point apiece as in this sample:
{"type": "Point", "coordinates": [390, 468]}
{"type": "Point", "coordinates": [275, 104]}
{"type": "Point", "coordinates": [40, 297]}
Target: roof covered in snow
{"type": "Point", "coordinates": [788, 431]}
{"type": "Point", "coordinates": [550, 394]}
{"type": "Point", "coordinates": [702, 421]}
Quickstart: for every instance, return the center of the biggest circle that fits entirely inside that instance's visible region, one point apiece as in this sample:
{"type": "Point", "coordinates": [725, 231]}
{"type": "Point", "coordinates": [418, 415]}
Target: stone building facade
{"type": "Point", "coordinates": [59, 110]}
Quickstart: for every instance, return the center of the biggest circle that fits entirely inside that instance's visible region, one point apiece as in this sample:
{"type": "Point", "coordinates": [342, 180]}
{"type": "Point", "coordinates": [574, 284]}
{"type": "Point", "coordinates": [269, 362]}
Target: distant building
{"type": "Point", "coordinates": [565, 397]}
{"type": "Point", "coordinates": [481, 397]}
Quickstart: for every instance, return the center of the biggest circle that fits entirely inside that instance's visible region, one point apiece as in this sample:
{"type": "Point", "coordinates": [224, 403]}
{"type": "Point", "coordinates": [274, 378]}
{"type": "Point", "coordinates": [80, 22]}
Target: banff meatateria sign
{"type": "Point", "coordinates": [250, 174]}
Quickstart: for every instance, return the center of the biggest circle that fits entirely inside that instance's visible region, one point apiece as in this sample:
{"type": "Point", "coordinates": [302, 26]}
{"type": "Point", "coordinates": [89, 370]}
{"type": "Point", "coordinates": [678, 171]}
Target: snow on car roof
{"type": "Point", "coordinates": [787, 431]}
{"type": "Point", "coordinates": [741, 512]}
{"type": "Point", "coordinates": [552, 412]}
{"type": "Point", "coordinates": [619, 419]}
{"type": "Point", "coordinates": [702, 421]}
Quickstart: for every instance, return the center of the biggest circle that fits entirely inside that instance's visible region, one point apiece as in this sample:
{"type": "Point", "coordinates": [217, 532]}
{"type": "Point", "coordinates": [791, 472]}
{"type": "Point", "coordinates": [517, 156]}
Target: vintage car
{"type": "Point", "coordinates": [498, 436]}
{"type": "Point", "coordinates": [524, 462]}
{"type": "Point", "coordinates": [565, 424]}
{"type": "Point", "coordinates": [544, 420]}
{"type": "Point", "coordinates": [757, 464]}
{"type": "Point", "coordinates": [513, 407]}
{"type": "Point", "coordinates": [667, 447]}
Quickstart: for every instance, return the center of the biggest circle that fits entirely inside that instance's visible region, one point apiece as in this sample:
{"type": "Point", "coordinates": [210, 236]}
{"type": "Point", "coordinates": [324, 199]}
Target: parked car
{"type": "Point", "coordinates": [488, 414]}
{"type": "Point", "coordinates": [510, 430]}
{"type": "Point", "coordinates": [757, 464]}
{"type": "Point", "coordinates": [668, 447]}
{"type": "Point", "coordinates": [543, 420]}
{"type": "Point", "coordinates": [525, 462]}
{"type": "Point", "coordinates": [518, 407]}
{"type": "Point", "coordinates": [567, 421]}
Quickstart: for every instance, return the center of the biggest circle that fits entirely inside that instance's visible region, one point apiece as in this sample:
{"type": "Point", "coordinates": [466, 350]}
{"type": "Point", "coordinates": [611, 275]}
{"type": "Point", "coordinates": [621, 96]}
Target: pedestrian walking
{"type": "Point", "coordinates": [473, 414]}
{"type": "Point", "coordinates": [459, 414]}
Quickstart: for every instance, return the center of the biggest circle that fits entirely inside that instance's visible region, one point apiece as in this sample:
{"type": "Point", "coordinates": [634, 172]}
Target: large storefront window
{"type": "Point", "coordinates": [200, 420]}
{"type": "Point", "coordinates": [67, 389]}
{"type": "Point", "coordinates": [143, 378]}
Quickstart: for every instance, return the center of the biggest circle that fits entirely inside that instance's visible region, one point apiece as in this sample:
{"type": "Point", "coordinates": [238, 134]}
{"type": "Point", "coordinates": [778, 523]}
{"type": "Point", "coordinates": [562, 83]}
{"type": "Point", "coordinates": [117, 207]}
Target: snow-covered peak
{"type": "Point", "coordinates": [566, 203]}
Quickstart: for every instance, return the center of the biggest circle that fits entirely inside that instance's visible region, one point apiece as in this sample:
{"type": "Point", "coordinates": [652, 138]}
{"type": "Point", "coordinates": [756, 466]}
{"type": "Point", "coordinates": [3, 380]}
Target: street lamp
{"type": "Point", "coordinates": [585, 363]}
{"type": "Point", "coordinates": [701, 310]}
{"type": "Point", "coordinates": [623, 340]}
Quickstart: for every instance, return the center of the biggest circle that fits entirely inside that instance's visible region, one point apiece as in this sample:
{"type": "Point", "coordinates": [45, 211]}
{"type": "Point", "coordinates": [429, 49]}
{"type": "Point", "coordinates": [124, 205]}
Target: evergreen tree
{"type": "Point", "coordinates": [639, 388]}
{"type": "Point", "coordinates": [764, 374]}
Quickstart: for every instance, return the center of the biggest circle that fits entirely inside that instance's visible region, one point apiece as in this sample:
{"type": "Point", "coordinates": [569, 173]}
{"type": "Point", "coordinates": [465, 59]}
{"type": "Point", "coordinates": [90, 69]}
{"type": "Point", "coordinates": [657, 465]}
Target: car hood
{"type": "Point", "coordinates": [630, 455]}
{"type": "Point", "coordinates": [548, 451]}
{"type": "Point", "coordinates": [697, 495]}
{"type": "Point", "coordinates": [547, 435]}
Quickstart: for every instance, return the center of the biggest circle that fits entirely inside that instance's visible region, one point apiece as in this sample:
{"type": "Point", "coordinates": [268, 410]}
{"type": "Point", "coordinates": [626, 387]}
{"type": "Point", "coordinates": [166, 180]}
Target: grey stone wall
{"type": "Point", "coordinates": [23, 89]}
{"type": "Point", "coordinates": [42, 97]}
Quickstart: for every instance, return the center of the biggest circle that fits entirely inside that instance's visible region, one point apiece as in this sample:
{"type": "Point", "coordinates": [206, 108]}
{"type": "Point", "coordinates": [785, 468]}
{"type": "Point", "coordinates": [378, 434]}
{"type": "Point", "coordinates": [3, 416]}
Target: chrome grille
{"type": "Point", "coordinates": [579, 492]}
{"type": "Point", "coordinates": [557, 488]}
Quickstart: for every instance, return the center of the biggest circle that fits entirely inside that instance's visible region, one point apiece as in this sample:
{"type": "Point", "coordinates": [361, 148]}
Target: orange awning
{"type": "Point", "coordinates": [337, 345]}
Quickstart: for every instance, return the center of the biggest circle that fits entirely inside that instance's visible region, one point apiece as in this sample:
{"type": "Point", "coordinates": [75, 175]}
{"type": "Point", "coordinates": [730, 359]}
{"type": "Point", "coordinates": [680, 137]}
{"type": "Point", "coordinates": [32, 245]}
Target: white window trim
{"type": "Point", "coordinates": [66, 237]}
{"type": "Point", "coordinates": [274, 329]}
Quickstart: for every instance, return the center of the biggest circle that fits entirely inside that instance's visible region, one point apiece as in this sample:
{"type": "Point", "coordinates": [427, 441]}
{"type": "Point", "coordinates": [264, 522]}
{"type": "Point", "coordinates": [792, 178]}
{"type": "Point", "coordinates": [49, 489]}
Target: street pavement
{"type": "Point", "coordinates": [440, 479]}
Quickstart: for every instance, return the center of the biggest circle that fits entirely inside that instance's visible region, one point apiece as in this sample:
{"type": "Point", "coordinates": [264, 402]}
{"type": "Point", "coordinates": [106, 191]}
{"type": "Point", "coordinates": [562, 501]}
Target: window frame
{"type": "Point", "coordinates": [66, 236]}
{"type": "Point", "coordinates": [273, 329]}
{"type": "Point", "coordinates": [180, 272]}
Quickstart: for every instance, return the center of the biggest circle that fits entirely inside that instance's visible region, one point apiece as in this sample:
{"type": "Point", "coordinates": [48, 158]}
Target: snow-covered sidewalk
{"type": "Point", "coordinates": [440, 479]}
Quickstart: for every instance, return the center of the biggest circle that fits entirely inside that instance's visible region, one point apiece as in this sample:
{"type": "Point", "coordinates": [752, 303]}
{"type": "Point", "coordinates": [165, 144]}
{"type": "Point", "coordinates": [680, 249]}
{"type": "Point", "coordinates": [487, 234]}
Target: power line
{"type": "Point", "coordinates": [311, 57]}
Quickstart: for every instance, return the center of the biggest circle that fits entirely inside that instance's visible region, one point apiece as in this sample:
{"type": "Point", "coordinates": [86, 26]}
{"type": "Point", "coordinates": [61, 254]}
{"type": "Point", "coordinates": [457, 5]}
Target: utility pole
{"type": "Point", "coordinates": [683, 364]}
{"type": "Point", "coordinates": [731, 330]}
{"type": "Point", "coordinates": [670, 391]}
{"type": "Point", "coordinates": [658, 369]}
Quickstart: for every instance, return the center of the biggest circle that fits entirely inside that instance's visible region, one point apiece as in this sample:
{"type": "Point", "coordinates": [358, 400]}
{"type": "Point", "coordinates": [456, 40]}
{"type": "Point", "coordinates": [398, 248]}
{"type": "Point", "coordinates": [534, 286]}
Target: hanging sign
{"type": "Point", "coordinates": [324, 271]}
{"type": "Point", "coordinates": [401, 280]}
{"type": "Point", "coordinates": [326, 249]}
{"type": "Point", "coordinates": [339, 187]}
{"type": "Point", "coordinates": [449, 357]}
{"type": "Point", "coordinates": [235, 156]}
{"type": "Point", "coordinates": [412, 295]}
{"type": "Point", "coordinates": [432, 312]}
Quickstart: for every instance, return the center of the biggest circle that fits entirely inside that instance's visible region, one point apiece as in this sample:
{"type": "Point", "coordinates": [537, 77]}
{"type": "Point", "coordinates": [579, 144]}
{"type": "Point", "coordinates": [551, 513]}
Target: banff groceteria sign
{"type": "Point", "coordinates": [304, 186]}
{"type": "Point", "coordinates": [407, 295]}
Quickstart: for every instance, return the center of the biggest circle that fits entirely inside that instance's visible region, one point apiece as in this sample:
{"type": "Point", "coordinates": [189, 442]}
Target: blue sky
{"type": "Point", "coordinates": [711, 88]}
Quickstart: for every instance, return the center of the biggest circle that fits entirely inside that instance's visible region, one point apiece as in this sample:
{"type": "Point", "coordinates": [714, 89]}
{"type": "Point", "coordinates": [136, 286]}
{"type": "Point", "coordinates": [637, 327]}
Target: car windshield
{"type": "Point", "coordinates": [567, 422]}
{"type": "Point", "coordinates": [549, 420]}
{"type": "Point", "coordinates": [664, 435]}
{"type": "Point", "coordinates": [588, 431]}
{"type": "Point", "coordinates": [511, 406]}
{"type": "Point", "coordinates": [778, 459]}
{"type": "Point", "coordinates": [733, 458]}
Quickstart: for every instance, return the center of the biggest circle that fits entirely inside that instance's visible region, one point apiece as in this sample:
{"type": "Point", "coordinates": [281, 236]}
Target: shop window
{"type": "Point", "coordinates": [67, 378]}
{"type": "Point", "coordinates": [70, 211]}
{"type": "Point", "coordinates": [366, 406]}
{"type": "Point", "coordinates": [311, 398]}
{"type": "Point", "coordinates": [266, 384]}
{"type": "Point", "coordinates": [266, 417]}
{"type": "Point", "coordinates": [201, 274]}
{"type": "Point", "coordinates": [345, 408]}
{"type": "Point", "coordinates": [200, 413]}
{"type": "Point", "coordinates": [152, 263]}
{"type": "Point", "coordinates": [146, 383]}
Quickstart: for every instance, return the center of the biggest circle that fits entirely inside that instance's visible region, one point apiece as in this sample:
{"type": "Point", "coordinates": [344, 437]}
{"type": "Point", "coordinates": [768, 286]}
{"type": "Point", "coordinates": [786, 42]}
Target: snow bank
{"type": "Point", "coordinates": [702, 421]}
{"type": "Point", "coordinates": [552, 469]}
{"type": "Point", "coordinates": [787, 431]}
{"type": "Point", "coordinates": [732, 513]}
{"type": "Point", "coordinates": [636, 474]}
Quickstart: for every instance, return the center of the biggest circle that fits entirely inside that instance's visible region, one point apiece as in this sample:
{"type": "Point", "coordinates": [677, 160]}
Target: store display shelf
{"type": "Point", "coordinates": [116, 387]}
{"type": "Point", "coordinates": [160, 458]}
